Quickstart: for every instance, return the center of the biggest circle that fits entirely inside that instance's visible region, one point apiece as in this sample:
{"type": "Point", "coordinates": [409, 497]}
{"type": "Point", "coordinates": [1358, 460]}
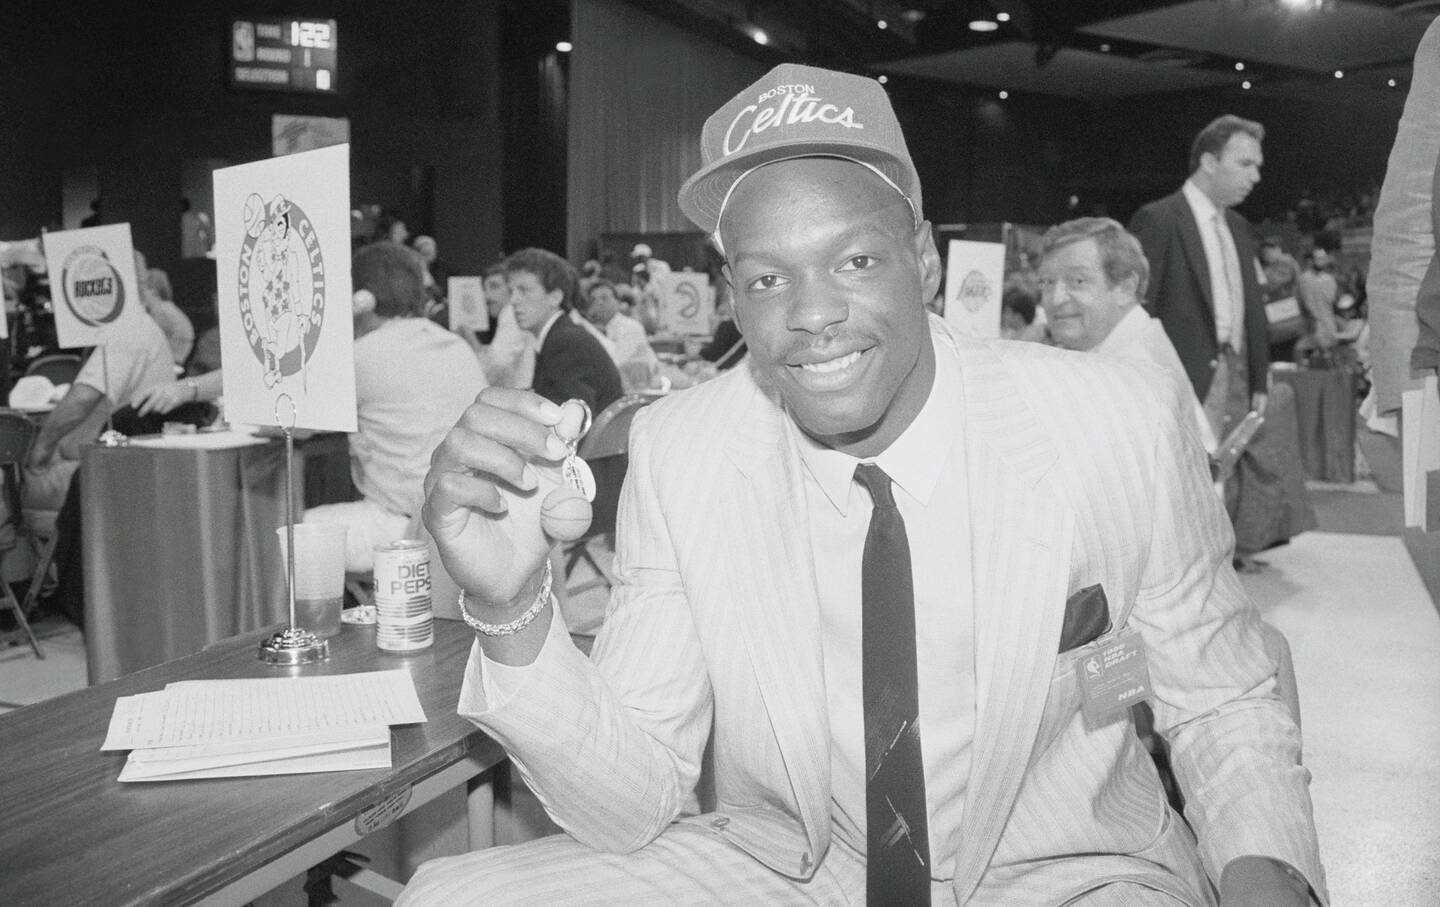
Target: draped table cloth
{"type": "Point", "coordinates": [179, 547]}
{"type": "Point", "coordinates": [1325, 408]}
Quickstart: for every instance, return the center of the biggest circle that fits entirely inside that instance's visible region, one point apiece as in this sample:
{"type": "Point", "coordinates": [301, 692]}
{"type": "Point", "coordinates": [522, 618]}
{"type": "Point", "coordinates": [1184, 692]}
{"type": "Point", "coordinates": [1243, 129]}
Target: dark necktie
{"type": "Point", "coordinates": [897, 843]}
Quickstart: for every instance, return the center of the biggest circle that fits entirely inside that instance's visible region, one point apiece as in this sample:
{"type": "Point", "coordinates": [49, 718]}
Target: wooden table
{"type": "Point", "coordinates": [74, 835]}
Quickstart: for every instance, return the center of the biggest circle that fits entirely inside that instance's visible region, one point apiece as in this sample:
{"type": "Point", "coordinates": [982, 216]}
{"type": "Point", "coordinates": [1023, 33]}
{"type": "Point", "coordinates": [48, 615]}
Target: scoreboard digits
{"type": "Point", "coordinates": [279, 54]}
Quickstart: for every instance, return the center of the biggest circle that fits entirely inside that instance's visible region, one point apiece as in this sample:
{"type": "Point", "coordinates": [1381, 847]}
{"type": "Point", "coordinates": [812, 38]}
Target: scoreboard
{"type": "Point", "coordinates": [281, 54]}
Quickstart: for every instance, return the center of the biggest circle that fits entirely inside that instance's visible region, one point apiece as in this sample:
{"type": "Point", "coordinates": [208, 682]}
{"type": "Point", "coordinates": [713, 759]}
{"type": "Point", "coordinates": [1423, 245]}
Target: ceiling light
{"type": "Point", "coordinates": [1390, 82]}
{"type": "Point", "coordinates": [1239, 66]}
{"type": "Point", "coordinates": [1004, 95]}
{"type": "Point", "coordinates": [1002, 17]}
{"type": "Point", "coordinates": [913, 15]}
{"type": "Point", "coordinates": [759, 36]}
{"type": "Point", "coordinates": [882, 79]}
{"type": "Point", "coordinates": [564, 46]}
{"type": "Point", "coordinates": [1339, 73]}
{"type": "Point", "coordinates": [1104, 48]}
{"type": "Point", "coordinates": [1245, 84]}
{"type": "Point", "coordinates": [882, 24]}
{"type": "Point", "coordinates": [983, 25]}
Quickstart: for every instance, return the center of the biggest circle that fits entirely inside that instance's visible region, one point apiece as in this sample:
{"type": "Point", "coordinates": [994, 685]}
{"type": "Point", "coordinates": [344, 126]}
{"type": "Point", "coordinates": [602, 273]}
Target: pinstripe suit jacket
{"type": "Point", "coordinates": [1080, 472]}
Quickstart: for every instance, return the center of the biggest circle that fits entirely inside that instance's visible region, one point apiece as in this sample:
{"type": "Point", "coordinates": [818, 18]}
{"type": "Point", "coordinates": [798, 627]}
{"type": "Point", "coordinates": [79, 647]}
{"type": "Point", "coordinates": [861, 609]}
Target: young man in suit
{"type": "Point", "coordinates": [882, 570]}
{"type": "Point", "coordinates": [569, 361]}
{"type": "Point", "coordinates": [1203, 284]}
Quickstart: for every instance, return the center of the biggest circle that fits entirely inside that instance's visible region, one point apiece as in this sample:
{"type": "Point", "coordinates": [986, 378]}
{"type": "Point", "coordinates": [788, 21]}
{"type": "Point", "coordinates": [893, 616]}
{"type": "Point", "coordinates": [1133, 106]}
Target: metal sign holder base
{"type": "Point", "coordinates": [293, 645]}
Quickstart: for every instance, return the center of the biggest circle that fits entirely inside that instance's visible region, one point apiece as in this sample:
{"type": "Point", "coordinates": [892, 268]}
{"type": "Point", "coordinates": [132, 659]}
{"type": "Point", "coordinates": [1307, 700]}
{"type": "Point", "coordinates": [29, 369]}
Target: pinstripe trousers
{"type": "Point", "coordinates": [685, 866]}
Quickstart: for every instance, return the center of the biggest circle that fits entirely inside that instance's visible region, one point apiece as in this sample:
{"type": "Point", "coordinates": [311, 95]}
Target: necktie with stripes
{"type": "Point", "coordinates": [897, 841]}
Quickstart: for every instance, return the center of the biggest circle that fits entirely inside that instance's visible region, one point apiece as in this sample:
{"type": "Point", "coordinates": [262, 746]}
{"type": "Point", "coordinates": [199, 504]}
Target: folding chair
{"type": "Point", "coordinates": [16, 433]}
{"type": "Point", "coordinates": [60, 368]}
{"type": "Point", "coordinates": [604, 449]}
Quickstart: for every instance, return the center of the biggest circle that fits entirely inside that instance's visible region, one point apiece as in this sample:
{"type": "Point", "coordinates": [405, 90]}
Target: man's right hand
{"type": "Point", "coordinates": [484, 491]}
{"type": "Point", "coordinates": [162, 398]}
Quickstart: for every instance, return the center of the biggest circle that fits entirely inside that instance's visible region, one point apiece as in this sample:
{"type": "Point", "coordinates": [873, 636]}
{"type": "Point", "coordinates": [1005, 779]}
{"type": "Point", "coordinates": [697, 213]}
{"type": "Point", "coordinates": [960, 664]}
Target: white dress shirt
{"type": "Point", "coordinates": [1138, 336]}
{"type": "Point", "coordinates": [927, 466]}
{"type": "Point", "coordinates": [629, 341]}
{"type": "Point", "coordinates": [595, 332]}
{"type": "Point", "coordinates": [1226, 291]}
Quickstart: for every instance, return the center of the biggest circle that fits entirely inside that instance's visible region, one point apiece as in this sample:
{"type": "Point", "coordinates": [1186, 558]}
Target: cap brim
{"type": "Point", "coordinates": [703, 194]}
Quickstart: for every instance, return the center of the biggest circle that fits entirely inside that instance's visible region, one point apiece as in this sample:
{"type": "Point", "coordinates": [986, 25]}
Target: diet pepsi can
{"type": "Point", "coordinates": [404, 619]}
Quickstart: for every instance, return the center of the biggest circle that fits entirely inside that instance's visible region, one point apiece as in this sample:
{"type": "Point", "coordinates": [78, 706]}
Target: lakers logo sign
{"type": "Point", "coordinates": [974, 291]}
{"type": "Point", "coordinates": [91, 287]}
{"type": "Point", "coordinates": [282, 287]}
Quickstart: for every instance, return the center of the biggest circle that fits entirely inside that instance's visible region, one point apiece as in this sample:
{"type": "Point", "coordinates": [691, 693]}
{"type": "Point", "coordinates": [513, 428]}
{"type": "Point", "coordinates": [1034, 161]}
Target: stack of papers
{"type": "Point", "coordinates": [270, 726]}
{"type": "Point", "coordinates": [1420, 443]}
{"type": "Point", "coordinates": [203, 440]}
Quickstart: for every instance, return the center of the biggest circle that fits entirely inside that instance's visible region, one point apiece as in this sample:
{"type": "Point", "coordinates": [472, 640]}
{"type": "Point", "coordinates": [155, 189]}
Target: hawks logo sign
{"type": "Point", "coordinates": [282, 287]}
{"type": "Point", "coordinates": [92, 287]}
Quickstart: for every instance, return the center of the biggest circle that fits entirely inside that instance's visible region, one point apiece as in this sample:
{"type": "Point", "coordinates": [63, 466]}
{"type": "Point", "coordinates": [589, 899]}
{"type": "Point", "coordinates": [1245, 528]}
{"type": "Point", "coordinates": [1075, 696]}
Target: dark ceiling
{"type": "Point", "coordinates": [1098, 49]}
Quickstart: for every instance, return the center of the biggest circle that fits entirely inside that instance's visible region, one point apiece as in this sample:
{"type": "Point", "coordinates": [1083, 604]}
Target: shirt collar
{"type": "Point", "coordinates": [913, 460]}
{"type": "Point", "coordinates": [545, 331]}
{"type": "Point", "coordinates": [1200, 203]}
{"type": "Point", "coordinates": [1131, 325]}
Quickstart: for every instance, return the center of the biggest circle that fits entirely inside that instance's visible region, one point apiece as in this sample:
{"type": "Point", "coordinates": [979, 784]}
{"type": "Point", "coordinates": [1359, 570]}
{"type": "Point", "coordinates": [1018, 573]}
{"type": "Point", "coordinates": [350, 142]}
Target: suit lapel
{"type": "Point", "coordinates": [773, 577]}
{"type": "Point", "coordinates": [1194, 248]}
{"type": "Point", "coordinates": [1020, 552]}
{"type": "Point", "coordinates": [1021, 547]}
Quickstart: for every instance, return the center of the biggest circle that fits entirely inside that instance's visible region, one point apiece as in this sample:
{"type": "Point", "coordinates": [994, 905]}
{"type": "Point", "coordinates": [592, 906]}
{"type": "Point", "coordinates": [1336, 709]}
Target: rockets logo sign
{"type": "Point", "coordinates": [91, 287]}
{"type": "Point", "coordinates": [282, 287]}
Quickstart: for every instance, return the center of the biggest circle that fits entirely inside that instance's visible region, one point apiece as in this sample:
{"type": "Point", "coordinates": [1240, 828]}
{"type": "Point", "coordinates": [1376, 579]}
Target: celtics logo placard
{"type": "Point", "coordinates": [282, 244]}
{"type": "Point", "coordinates": [92, 287]}
{"type": "Point", "coordinates": [282, 287]}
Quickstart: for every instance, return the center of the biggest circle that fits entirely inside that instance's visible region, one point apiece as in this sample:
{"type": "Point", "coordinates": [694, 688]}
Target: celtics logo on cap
{"type": "Point", "coordinates": [282, 286]}
{"type": "Point", "coordinates": [91, 287]}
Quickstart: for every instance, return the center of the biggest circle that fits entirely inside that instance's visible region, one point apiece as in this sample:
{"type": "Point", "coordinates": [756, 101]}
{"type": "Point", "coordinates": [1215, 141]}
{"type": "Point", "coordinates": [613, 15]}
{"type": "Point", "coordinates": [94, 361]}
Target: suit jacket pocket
{"type": "Point", "coordinates": [1087, 618]}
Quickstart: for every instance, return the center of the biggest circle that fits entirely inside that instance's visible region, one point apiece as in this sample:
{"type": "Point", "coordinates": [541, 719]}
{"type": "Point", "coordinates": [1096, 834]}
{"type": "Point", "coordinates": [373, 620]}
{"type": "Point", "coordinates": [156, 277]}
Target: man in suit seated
{"type": "Point", "coordinates": [1093, 276]}
{"type": "Point", "coordinates": [569, 361]}
{"type": "Point", "coordinates": [886, 574]}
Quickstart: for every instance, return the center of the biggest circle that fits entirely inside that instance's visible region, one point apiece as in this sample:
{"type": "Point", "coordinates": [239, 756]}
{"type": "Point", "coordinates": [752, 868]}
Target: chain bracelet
{"type": "Point", "coordinates": [509, 628]}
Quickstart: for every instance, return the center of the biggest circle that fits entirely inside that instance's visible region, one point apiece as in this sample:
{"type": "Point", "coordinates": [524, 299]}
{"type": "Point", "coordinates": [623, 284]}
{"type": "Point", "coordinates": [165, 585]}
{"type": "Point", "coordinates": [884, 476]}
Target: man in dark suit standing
{"type": "Point", "coordinates": [569, 363]}
{"type": "Point", "coordinates": [1203, 285]}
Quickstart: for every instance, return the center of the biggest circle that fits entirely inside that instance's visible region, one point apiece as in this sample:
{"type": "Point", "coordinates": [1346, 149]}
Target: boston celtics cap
{"type": "Point", "coordinates": [798, 111]}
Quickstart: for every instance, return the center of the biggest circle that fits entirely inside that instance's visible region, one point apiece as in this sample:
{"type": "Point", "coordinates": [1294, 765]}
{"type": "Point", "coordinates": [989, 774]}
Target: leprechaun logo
{"type": "Point", "coordinates": [92, 288]}
{"type": "Point", "coordinates": [282, 287]}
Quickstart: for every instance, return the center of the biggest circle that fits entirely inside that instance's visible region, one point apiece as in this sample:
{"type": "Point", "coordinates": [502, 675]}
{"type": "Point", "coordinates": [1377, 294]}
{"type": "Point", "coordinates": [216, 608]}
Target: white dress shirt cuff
{"type": "Point", "coordinates": [490, 685]}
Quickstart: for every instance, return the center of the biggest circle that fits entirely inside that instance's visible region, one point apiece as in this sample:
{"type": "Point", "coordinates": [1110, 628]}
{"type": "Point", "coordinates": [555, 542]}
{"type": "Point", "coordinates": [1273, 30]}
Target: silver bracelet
{"type": "Point", "coordinates": [509, 628]}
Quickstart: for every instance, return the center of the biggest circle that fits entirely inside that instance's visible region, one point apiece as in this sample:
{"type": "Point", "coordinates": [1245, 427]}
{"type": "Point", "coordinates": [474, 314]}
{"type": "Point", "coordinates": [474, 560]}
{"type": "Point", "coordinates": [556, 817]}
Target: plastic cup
{"type": "Point", "coordinates": [319, 575]}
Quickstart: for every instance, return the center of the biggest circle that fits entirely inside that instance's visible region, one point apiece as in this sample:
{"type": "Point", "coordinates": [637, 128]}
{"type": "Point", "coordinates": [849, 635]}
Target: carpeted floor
{"type": "Point", "coordinates": [1361, 509]}
{"type": "Point", "coordinates": [1366, 646]}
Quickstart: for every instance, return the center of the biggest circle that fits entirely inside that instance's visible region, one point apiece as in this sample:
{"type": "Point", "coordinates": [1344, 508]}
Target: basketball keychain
{"type": "Point", "coordinates": [566, 516]}
{"type": "Point", "coordinates": [575, 471]}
